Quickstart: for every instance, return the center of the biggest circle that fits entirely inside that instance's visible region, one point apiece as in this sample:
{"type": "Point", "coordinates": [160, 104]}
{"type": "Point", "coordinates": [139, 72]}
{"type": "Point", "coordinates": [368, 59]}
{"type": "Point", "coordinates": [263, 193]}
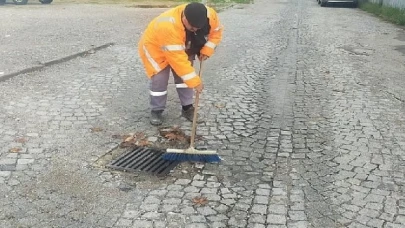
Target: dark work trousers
{"type": "Point", "coordinates": [158, 88]}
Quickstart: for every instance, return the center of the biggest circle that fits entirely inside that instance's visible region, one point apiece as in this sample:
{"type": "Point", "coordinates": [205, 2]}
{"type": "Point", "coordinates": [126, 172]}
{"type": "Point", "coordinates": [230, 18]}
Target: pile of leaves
{"type": "Point", "coordinates": [200, 201]}
{"type": "Point", "coordinates": [133, 140]}
{"type": "Point", "coordinates": [18, 149]}
{"type": "Point", "coordinates": [174, 134]}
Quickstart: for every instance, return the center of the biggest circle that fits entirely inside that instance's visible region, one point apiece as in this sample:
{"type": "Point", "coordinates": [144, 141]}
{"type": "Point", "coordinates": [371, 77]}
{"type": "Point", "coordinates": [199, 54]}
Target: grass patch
{"type": "Point", "coordinates": [218, 5]}
{"type": "Point", "coordinates": [223, 1]}
{"type": "Point", "coordinates": [396, 16]}
{"type": "Point", "coordinates": [127, 2]}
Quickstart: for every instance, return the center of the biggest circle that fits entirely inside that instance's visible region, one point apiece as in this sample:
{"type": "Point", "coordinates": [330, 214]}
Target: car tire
{"type": "Point", "coordinates": [323, 4]}
{"type": "Point", "coordinates": [2, 2]}
{"type": "Point", "coordinates": [46, 1]}
{"type": "Point", "coordinates": [20, 2]}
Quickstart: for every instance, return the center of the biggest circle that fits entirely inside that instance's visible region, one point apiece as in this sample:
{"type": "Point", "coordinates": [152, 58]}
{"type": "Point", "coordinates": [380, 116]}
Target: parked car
{"type": "Point", "coordinates": [23, 2]}
{"type": "Point", "coordinates": [325, 2]}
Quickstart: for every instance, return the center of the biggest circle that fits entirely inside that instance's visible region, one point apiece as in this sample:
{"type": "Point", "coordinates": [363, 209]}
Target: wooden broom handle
{"type": "Point", "coordinates": [197, 98]}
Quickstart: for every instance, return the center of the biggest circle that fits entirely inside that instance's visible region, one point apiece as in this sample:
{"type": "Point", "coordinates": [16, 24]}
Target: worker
{"type": "Point", "coordinates": [170, 43]}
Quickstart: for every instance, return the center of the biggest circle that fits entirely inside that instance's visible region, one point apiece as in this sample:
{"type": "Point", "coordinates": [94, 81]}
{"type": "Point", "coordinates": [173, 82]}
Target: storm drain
{"type": "Point", "coordinates": [141, 159]}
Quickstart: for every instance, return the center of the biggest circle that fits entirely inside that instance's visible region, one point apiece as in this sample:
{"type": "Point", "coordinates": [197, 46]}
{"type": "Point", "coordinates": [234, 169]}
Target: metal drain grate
{"type": "Point", "coordinates": [145, 160]}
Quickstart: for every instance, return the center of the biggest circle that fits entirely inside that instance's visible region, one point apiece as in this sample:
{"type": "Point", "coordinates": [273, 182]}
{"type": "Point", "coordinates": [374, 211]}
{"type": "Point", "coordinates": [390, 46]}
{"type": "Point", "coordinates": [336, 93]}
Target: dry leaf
{"type": "Point", "coordinates": [129, 139]}
{"type": "Point", "coordinates": [171, 136]}
{"type": "Point", "coordinates": [143, 142]}
{"type": "Point", "coordinates": [125, 136]}
{"type": "Point", "coordinates": [140, 135]}
{"type": "Point", "coordinates": [200, 200]}
{"type": "Point", "coordinates": [96, 129]}
{"type": "Point", "coordinates": [21, 140]}
{"type": "Point", "coordinates": [126, 144]}
{"type": "Point", "coordinates": [133, 139]}
{"type": "Point", "coordinates": [182, 137]}
{"type": "Point", "coordinates": [220, 105]}
{"type": "Point", "coordinates": [15, 150]}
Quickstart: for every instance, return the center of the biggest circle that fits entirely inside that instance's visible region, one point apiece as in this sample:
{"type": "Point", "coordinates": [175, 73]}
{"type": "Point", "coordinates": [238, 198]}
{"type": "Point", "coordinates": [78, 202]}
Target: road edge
{"type": "Point", "coordinates": [5, 77]}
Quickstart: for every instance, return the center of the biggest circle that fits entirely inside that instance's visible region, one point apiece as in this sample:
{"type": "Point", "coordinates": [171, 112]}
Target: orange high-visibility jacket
{"type": "Point", "coordinates": [163, 44]}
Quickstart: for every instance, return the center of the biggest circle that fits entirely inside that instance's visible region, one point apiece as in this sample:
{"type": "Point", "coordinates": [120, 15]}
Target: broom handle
{"type": "Point", "coordinates": [197, 98]}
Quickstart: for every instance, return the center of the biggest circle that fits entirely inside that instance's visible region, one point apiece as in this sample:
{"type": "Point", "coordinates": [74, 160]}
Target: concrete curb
{"type": "Point", "coordinates": [224, 8]}
{"type": "Point", "coordinates": [53, 62]}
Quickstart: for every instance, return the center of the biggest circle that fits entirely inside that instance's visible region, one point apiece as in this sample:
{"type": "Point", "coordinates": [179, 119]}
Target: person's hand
{"type": "Point", "coordinates": [199, 88]}
{"type": "Point", "coordinates": [202, 57]}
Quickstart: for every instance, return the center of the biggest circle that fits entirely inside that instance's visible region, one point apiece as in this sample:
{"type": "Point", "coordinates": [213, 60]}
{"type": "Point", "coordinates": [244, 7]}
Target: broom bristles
{"type": "Point", "coordinates": [191, 154]}
{"type": "Point", "coordinates": [209, 158]}
{"type": "Point", "coordinates": [191, 150]}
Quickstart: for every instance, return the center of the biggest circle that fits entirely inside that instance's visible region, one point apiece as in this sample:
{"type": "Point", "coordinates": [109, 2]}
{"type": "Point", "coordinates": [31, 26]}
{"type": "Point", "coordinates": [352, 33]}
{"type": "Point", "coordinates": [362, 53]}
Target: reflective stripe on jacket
{"type": "Point", "coordinates": [163, 44]}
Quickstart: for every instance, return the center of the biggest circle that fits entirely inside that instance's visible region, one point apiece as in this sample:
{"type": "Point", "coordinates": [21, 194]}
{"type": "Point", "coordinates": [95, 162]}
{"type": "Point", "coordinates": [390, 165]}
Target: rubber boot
{"type": "Point", "coordinates": [189, 114]}
{"type": "Point", "coordinates": [156, 118]}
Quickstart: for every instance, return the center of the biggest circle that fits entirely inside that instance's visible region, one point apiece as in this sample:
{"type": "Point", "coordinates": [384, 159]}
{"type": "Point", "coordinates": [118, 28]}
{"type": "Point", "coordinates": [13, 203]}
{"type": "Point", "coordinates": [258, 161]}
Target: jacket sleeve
{"type": "Point", "coordinates": [214, 36]}
{"type": "Point", "coordinates": [173, 48]}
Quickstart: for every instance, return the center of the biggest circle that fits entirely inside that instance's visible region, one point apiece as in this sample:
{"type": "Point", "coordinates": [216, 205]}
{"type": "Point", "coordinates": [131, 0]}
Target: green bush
{"type": "Point", "coordinates": [227, 1]}
{"type": "Point", "coordinates": [221, 1]}
{"type": "Point", "coordinates": [393, 15]}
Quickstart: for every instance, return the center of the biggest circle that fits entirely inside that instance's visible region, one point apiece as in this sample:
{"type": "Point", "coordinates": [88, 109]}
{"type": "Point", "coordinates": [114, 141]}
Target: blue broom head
{"type": "Point", "coordinates": [207, 158]}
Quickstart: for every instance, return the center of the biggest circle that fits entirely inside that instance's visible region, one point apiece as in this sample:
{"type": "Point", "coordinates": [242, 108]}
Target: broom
{"type": "Point", "coordinates": [192, 154]}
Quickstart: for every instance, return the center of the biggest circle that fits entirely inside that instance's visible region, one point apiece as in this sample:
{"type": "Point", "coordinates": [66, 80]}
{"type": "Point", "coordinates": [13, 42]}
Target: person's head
{"type": "Point", "coordinates": [194, 16]}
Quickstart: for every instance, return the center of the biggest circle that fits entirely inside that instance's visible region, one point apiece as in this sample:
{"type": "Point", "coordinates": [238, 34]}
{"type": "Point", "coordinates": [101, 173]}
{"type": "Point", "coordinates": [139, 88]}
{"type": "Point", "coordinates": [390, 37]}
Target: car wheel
{"type": "Point", "coordinates": [45, 1]}
{"type": "Point", "coordinates": [20, 2]}
{"type": "Point", "coordinates": [323, 4]}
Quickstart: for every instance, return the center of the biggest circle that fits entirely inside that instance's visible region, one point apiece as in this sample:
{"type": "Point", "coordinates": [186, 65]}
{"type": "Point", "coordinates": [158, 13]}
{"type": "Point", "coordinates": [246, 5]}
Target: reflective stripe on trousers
{"type": "Point", "coordinates": [158, 89]}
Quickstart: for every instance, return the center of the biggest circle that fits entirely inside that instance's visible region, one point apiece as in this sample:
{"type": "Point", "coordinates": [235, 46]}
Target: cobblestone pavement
{"type": "Point", "coordinates": [304, 103]}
